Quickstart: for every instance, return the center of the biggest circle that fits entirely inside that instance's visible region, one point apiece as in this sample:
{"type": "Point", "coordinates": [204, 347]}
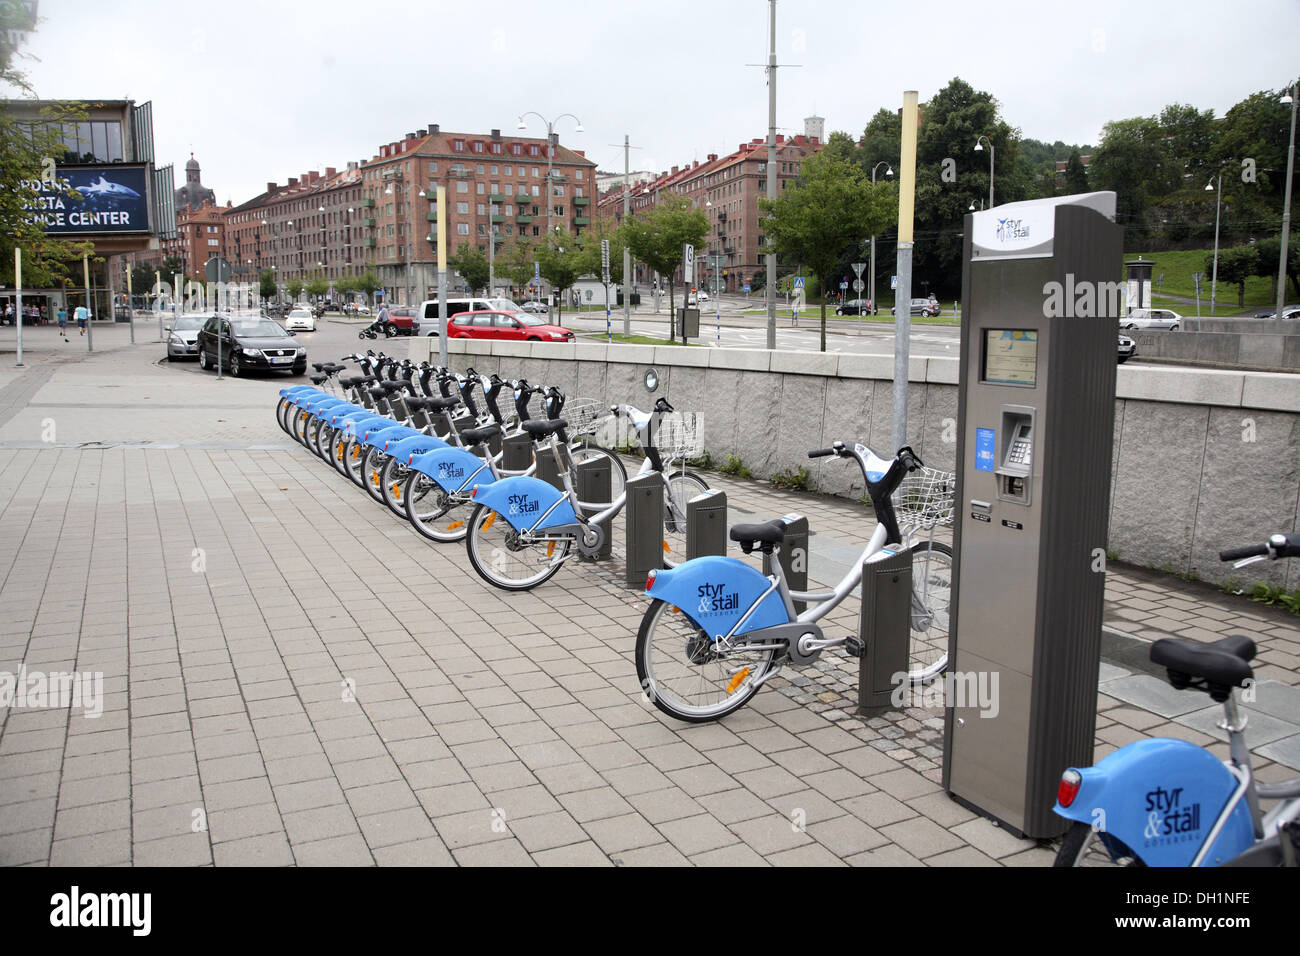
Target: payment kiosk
{"type": "Point", "coordinates": [1041, 297]}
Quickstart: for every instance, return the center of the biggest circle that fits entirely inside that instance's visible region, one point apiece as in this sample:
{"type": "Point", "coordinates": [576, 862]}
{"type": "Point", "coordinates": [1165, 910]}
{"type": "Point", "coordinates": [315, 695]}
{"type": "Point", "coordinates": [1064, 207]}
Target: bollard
{"type": "Point", "coordinates": [547, 470]}
{"type": "Point", "coordinates": [592, 484]}
{"type": "Point", "coordinates": [794, 556]}
{"type": "Point", "coordinates": [706, 524]}
{"type": "Point", "coordinates": [517, 453]}
{"type": "Point", "coordinates": [884, 626]}
{"type": "Point", "coordinates": [643, 523]}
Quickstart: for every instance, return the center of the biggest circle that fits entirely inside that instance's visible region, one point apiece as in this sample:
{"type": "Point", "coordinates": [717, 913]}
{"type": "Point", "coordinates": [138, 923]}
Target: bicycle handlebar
{"type": "Point", "coordinates": [1277, 546]}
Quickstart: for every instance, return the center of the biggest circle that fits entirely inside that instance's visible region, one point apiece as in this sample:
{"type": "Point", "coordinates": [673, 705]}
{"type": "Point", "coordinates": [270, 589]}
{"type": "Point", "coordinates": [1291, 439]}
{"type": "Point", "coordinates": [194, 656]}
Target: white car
{"type": "Point", "coordinates": [704, 296]}
{"type": "Point", "coordinates": [300, 320]}
{"type": "Point", "coordinates": [538, 308]}
{"type": "Point", "coordinates": [1152, 319]}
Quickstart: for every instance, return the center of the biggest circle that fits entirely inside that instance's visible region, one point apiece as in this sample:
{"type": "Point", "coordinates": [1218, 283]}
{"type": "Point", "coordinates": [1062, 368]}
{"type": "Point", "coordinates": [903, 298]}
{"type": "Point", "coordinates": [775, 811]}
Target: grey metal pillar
{"type": "Point", "coordinates": [794, 556]}
{"type": "Point", "coordinates": [593, 484]}
{"type": "Point", "coordinates": [547, 470]}
{"type": "Point", "coordinates": [517, 453]}
{"type": "Point", "coordinates": [706, 524]}
{"type": "Point", "coordinates": [884, 627]}
{"type": "Point", "coordinates": [643, 521]}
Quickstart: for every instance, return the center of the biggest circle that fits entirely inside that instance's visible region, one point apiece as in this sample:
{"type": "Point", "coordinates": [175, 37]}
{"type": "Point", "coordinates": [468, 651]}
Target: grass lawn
{"type": "Point", "coordinates": [1177, 268]}
{"type": "Point", "coordinates": [814, 314]}
{"type": "Point", "coordinates": [621, 339]}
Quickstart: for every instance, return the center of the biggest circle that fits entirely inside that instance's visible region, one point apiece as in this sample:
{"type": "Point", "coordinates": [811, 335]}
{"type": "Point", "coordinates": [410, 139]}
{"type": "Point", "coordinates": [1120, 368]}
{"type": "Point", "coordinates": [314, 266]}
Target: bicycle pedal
{"type": "Point", "coordinates": [854, 647]}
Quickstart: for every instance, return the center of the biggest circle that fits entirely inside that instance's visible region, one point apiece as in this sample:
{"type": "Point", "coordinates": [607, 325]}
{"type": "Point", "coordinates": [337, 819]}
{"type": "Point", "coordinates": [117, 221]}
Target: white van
{"type": "Point", "coordinates": [426, 319]}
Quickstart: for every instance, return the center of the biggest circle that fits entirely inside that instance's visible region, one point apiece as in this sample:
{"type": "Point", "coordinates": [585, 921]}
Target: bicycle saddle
{"type": "Point", "coordinates": [1215, 668]}
{"type": "Point", "coordinates": [474, 436]}
{"type": "Point", "coordinates": [435, 403]}
{"type": "Point", "coordinates": [548, 427]}
{"type": "Point", "coordinates": [768, 533]}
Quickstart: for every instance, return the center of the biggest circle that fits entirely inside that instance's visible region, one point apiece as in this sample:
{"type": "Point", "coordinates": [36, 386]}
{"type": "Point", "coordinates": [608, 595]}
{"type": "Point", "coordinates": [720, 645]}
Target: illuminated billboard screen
{"type": "Point", "coordinates": [112, 198]}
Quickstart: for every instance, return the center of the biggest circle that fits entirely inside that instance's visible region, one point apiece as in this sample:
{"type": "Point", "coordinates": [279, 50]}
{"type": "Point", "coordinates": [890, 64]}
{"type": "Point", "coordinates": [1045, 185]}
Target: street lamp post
{"type": "Point", "coordinates": [1286, 206]}
{"type": "Point", "coordinates": [1214, 277]}
{"type": "Point", "coordinates": [550, 157]}
{"type": "Point", "coordinates": [979, 149]}
{"type": "Point", "coordinates": [398, 176]}
{"type": "Point", "coordinates": [871, 280]}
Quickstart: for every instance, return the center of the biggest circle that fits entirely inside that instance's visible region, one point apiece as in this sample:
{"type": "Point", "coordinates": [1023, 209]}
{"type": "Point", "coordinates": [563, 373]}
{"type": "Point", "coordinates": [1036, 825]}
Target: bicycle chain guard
{"type": "Point", "coordinates": [590, 540]}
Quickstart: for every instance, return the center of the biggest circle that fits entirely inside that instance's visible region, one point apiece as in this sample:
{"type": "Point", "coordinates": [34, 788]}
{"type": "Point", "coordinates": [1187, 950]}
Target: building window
{"type": "Point", "coordinates": [462, 208]}
{"type": "Point", "coordinates": [458, 145]}
{"type": "Point", "coordinates": [462, 186]}
{"type": "Point", "coordinates": [535, 172]}
{"type": "Point", "coordinates": [480, 169]}
{"type": "Point", "coordinates": [579, 174]}
{"type": "Point", "coordinates": [534, 151]}
{"type": "Point", "coordinates": [510, 170]}
{"type": "Point", "coordinates": [577, 190]}
{"type": "Point", "coordinates": [559, 210]}
{"type": "Point", "coordinates": [557, 190]}
{"type": "Point", "coordinates": [496, 148]}
{"type": "Point", "coordinates": [482, 209]}
{"type": "Point", "coordinates": [433, 167]}
{"type": "Point", "coordinates": [510, 209]}
{"type": "Point", "coordinates": [516, 149]}
{"type": "Point", "coordinates": [537, 190]}
{"type": "Point", "coordinates": [478, 146]}
{"type": "Point", "coordinates": [482, 229]}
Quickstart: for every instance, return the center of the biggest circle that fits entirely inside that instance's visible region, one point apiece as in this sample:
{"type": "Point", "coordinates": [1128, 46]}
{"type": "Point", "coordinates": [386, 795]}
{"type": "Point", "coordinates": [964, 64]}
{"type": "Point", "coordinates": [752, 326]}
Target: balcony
{"type": "Point", "coordinates": [368, 202]}
{"type": "Point", "coordinates": [497, 217]}
{"type": "Point", "coordinates": [524, 199]}
{"type": "Point", "coordinates": [497, 197]}
{"type": "Point", "coordinates": [368, 222]}
{"type": "Point", "coordinates": [368, 243]}
{"type": "Point", "coordinates": [581, 221]}
{"type": "Point", "coordinates": [581, 201]}
{"type": "Point", "coordinates": [431, 215]}
{"type": "Point", "coordinates": [523, 219]}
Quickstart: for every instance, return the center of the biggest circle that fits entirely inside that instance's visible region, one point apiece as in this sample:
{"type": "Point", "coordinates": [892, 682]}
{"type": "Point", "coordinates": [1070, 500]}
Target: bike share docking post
{"type": "Point", "coordinates": [517, 453]}
{"type": "Point", "coordinates": [592, 483]}
{"type": "Point", "coordinates": [706, 525]}
{"type": "Point", "coordinates": [884, 628]}
{"type": "Point", "coordinates": [793, 553]}
{"type": "Point", "coordinates": [547, 468]}
{"type": "Point", "coordinates": [643, 522]}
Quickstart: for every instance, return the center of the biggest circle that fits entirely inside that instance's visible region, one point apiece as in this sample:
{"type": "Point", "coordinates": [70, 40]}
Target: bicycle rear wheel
{"type": "Point", "coordinates": [683, 674]}
{"type": "Point", "coordinates": [432, 512]}
{"type": "Point", "coordinates": [931, 599]}
{"type": "Point", "coordinates": [507, 559]}
{"type": "Point", "coordinates": [679, 488]}
{"type": "Point", "coordinates": [372, 465]}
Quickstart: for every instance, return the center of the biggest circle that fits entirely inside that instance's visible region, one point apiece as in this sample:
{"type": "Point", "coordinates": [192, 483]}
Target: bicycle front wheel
{"type": "Point", "coordinates": [507, 559]}
{"type": "Point", "coordinates": [281, 410]}
{"type": "Point", "coordinates": [931, 600]}
{"type": "Point", "coordinates": [1082, 845]}
{"type": "Point", "coordinates": [683, 673]}
{"type": "Point", "coordinates": [432, 512]}
{"type": "Point", "coordinates": [372, 466]}
{"type": "Point", "coordinates": [679, 488]}
{"type": "Point", "coordinates": [392, 484]}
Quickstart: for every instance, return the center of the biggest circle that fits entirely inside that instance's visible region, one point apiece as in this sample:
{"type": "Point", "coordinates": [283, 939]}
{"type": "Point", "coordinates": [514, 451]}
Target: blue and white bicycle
{"type": "Point", "coordinates": [1168, 802]}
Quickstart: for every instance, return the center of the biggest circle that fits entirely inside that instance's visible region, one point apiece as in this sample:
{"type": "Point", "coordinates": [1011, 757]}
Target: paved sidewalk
{"type": "Point", "coordinates": [291, 675]}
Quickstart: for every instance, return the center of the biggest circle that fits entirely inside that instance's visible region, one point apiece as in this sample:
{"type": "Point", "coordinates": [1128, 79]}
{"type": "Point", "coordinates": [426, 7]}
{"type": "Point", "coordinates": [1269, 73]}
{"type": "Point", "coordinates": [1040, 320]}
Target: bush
{"type": "Point", "coordinates": [734, 467]}
{"type": "Point", "coordinates": [796, 480]}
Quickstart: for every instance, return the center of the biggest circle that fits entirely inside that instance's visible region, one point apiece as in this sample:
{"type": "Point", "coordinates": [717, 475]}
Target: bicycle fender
{"type": "Point", "coordinates": [522, 500]}
{"type": "Point", "coordinates": [351, 421]}
{"type": "Point", "coordinates": [1161, 798]}
{"type": "Point", "coordinates": [403, 448]}
{"type": "Point", "coordinates": [453, 469]}
{"type": "Point", "coordinates": [377, 436]}
{"type": "Point", "coordinates": [319, 406]}
{"type": "Point", "coordinates": [292, 390]}
{"type": "Point", "coordinates": [715, 592]}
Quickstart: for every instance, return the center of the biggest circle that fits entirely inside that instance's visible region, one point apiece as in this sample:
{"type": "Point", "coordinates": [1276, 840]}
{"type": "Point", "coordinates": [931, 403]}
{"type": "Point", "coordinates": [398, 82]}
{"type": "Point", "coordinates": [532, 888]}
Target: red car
{"type": "Point", "coordinates": [515, 326]}
{"type": "Point", "coordinates": [403, 319]}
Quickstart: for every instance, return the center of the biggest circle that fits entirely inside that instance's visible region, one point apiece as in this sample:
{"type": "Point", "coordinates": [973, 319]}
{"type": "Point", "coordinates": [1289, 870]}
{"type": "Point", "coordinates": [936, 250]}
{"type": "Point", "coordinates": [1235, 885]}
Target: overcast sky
{"type": "Point", "coordinates": [262, 90]}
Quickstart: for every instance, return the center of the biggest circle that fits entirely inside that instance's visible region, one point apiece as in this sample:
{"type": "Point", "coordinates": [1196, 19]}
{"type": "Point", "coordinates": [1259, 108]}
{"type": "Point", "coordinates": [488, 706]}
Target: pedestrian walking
{"type": "Point", "coordinates": [63, 323]}
{"type": "Point", "coordinates": [9, 313]}
{"type": "Point", "coordinates": [81, 315]}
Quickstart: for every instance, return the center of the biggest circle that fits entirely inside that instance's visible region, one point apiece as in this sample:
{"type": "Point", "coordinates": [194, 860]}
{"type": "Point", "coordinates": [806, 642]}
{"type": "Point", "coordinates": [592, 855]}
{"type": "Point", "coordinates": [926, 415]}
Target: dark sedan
{"type": "Point", "coordinates": [856, 307]}
{"type": "Point", "coordinates": [250, 343]}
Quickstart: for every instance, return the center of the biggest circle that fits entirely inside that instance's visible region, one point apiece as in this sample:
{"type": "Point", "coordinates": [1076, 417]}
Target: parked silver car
{"type": "Point", "coordinates": [183, 335]}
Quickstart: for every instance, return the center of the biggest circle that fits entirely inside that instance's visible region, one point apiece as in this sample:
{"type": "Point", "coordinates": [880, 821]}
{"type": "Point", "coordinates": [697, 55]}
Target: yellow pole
{"type": "Point", "coordinates": [903, 294]}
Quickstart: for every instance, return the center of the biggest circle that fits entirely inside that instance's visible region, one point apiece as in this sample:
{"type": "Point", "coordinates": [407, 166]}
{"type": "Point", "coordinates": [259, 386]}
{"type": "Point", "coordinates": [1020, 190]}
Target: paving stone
{"type": "Point", "coordinates": [270, 849]}
{"type": "Point", "coordinates": [346, 850]}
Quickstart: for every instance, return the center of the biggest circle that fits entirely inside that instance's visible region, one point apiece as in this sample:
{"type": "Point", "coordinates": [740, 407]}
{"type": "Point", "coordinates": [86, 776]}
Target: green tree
{"type": "Point", "coordinates": [561, 259]}
{"type": "Point", "coordinates": [1268, 254]}
{"type": "Point", "coordinates": [368, 284]}
{"type": "Point", "coordinates": [1132, 160]}
{"type": "Point", "coordinates": [515, 261]}
{"type": "Point", "coordinates": [882, 140]}
{"type": "Point", "coordinates": [266, 284]}
{"type": "Point", "coordinates": [833, 206]}
{"type": "Point", "coordinates": [1076, 175]}
{"type": "Point", "coordinates": [472, 264]}
{"type": "Point", "coordinates": [317, 286]}
{"type": "Point", "coordinates": [841, 146]}
{"type": "Point", "coordinates": [1236, 265]}
{"type": "Point", "coordinates": [142, 279]}
{"type": "Point", "coordinates": [657, 239]}
{"type": "Point", "coordinates": [295, 287]}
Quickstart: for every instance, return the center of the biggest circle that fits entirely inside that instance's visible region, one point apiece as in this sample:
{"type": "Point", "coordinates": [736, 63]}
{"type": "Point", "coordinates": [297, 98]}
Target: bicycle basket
{"type": "Point", "coordinates": [584, 416]}
{"type": "Point", "coordinates": [678, 435]}
{"type": "Point", "coordinates": [926, 498]}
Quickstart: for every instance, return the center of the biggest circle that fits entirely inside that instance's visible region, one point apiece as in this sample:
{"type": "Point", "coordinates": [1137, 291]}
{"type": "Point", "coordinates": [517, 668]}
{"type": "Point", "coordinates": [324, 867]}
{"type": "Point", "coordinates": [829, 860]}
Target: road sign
{"type": "Point", "coordinates": [604, 259]}
{"type": "Point", "coordinates": [688, 263]}
{"type": "Point", "coordinates": [843, 286]}
{"type": "Point", "coordinates": [746, 289]}
{"type": "Point", "coordinates": [798, 282]}
{"type": "Point", "coordinates": [217, 270]}
{"type": "Point", "coordinates": [857, 285]}
{"type": "Point", "coordinates": [893, 282]}
{"type": "Point", "coordinates": [858, 267]}
{"type": "Point", "coordinates": [537, 272]}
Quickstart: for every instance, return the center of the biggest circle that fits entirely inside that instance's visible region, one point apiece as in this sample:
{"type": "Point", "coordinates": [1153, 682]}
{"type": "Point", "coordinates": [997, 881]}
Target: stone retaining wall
{"type": "Point", "coordinates": [1203, 459]}
{"type": "Point", "coordinates": [1260, 350]}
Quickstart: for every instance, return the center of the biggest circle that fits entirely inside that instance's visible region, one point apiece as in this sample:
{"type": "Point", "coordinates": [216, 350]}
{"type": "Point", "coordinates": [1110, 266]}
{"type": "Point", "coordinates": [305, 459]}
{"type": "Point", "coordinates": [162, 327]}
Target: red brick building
{"type": "Point", "coordinates": [728, 189]}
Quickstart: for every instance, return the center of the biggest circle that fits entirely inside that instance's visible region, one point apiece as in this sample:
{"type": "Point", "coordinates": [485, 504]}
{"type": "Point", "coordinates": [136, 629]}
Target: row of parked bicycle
{"type": "Point", "coordinates": [716, 628]}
